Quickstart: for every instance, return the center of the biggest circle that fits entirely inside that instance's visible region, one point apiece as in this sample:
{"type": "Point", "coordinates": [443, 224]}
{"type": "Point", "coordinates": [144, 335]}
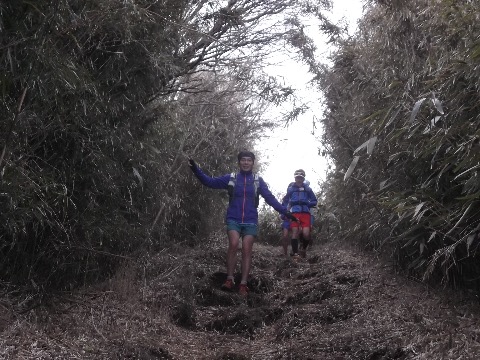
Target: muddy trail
{"type": "Point", "coordinates": [340, 303]}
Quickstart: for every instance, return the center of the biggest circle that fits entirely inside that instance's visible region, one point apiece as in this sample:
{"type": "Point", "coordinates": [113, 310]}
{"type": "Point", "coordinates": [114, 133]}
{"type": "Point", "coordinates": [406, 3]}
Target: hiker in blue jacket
{"type": "Point", "coordinates": [286, 233]}
{"type": "Point", "coordinates": [242, 216]}
{"type": "Point", "coordinates": [300, 199]}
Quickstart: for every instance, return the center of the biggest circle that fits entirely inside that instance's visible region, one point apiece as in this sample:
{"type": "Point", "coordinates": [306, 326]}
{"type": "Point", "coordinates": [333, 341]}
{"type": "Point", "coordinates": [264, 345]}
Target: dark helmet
{"type": "Point", "coordinates": [245, 153]}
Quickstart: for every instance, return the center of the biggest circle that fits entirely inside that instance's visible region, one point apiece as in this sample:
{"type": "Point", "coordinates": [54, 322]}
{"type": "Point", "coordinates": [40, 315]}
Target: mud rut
{"type": "Point", "coordinates": [339, 304]}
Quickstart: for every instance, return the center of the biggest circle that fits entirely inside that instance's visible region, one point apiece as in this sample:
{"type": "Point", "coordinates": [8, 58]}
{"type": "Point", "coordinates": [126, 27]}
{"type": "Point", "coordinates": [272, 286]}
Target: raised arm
{"type": "Point", "coordinates": [211, 182]}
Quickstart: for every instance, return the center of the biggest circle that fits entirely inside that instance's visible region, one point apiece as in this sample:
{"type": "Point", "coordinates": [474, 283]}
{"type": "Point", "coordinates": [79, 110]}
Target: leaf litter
{"type": "Point", "coordinates": [339, 303]}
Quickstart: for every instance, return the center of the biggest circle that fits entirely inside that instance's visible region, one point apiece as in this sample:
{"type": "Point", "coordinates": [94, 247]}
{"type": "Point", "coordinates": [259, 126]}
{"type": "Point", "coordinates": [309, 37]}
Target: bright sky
{"type": "Point", "coordinates": [296, 147]}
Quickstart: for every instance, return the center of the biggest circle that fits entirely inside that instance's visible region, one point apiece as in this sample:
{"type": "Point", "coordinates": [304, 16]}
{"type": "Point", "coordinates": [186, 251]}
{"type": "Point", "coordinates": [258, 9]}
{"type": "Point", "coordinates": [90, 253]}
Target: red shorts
{"type": "Point", "coordinates": [304, 220]}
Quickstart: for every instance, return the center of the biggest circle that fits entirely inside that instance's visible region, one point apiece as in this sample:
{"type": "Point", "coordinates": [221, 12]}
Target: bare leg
{"type": "Point", "coordinates": [294, 240]}
{"type": "Point", "coordinates": [233, 241]}
{"type": "Point", "coordinates": [285, 241]}
{"type": "Point", "coordinates": [247, 249]}
{"type": "Point", "coordinates": [295, 232]}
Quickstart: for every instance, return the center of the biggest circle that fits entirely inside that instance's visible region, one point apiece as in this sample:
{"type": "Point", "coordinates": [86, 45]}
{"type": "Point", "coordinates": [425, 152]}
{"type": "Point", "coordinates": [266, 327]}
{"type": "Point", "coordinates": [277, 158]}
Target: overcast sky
{"type": "Point", "coordinates": [296, 147]}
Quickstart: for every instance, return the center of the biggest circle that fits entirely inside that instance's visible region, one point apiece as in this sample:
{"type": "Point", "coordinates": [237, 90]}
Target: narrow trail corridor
{"type": "Point", "coordinates": [339, 304]}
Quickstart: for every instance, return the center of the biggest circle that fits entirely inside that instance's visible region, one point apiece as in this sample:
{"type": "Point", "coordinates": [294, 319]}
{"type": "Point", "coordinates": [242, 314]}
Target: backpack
{"type": "Point", "coordinates": [291, 189]}
{"type": "Point", "coordinates": [233, 181]}
{"type": "Point", "coordinates": [305, 187]}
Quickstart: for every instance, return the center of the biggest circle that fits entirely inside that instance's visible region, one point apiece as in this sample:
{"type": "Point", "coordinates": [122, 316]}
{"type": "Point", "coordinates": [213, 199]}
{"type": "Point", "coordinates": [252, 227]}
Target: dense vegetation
{"type": "Point", "coordinates": [402, 127]}
{"type": "Point", "coordinates": [104, 100]}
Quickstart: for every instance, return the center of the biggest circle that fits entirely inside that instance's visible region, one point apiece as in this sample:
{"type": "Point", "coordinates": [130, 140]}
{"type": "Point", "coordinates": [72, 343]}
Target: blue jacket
{"type": "Point", "coordinates": [300, 198]}
{"type": "Point", "coordinates": [242, 208]}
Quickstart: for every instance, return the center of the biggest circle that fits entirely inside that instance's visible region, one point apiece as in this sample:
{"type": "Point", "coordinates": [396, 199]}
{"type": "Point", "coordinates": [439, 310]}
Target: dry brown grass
{"type": "Point", "coordinates": [341, 304]}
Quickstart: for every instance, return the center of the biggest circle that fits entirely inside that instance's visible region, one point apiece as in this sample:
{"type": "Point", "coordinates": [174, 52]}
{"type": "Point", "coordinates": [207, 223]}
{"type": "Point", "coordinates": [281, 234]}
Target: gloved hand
{"type": "Point", "coordinates": [192, 164]}
{"type": "Point", "coordinates": [290, 216]}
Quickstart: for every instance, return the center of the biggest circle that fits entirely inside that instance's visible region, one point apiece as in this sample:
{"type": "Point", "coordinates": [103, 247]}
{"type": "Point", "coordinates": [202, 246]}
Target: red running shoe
{"type": "Point", "coordinates": [243, 290]}
{"type": "Point", "coordinates": [228, 285]}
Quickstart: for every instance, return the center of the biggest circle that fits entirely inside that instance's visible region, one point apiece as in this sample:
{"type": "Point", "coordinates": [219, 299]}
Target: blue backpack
{"type": "Point", "coordinates": [291, 189]}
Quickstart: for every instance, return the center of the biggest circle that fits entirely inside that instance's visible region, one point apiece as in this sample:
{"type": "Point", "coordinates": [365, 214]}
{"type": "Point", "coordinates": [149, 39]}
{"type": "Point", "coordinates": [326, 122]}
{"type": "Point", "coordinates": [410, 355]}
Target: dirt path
{"type": "Point", "coordinates": [340, 304]}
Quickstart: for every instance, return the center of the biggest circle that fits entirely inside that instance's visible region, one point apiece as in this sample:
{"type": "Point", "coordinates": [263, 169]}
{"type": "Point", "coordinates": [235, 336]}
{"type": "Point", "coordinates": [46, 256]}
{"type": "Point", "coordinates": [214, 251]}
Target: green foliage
{"type": "Point", "coordinates": [269, 226]}
{"type": "Point", "coordinates": [409, 79]}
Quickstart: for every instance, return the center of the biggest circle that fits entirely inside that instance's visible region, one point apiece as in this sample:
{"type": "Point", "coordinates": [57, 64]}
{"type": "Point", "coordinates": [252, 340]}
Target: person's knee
{"type": "Point", "coordinates": [233, 245]}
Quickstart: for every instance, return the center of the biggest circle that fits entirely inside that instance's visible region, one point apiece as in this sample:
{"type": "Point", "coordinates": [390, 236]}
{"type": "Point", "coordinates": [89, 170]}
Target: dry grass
{"type": "Point", "coordinates": [341, 304]}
